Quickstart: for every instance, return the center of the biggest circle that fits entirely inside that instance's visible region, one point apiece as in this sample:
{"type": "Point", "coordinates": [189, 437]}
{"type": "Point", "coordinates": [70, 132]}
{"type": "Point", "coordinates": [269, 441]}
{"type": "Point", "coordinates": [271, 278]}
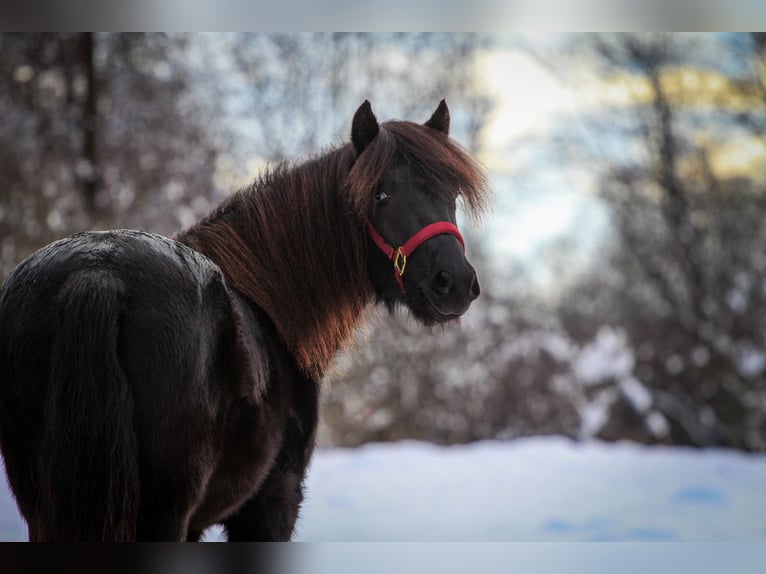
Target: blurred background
{"type": "Point", "coordinates": [623, 265]}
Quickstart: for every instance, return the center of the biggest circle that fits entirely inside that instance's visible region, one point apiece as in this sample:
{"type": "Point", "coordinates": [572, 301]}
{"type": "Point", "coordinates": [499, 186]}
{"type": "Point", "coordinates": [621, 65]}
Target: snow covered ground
{"type": "Point", "coordinates": [537, 489]}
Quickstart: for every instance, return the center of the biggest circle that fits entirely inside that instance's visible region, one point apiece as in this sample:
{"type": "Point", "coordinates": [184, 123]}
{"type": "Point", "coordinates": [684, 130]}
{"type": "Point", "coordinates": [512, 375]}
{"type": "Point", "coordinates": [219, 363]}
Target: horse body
{"type": "Point", "coordinates": [209, 368]}
{"type": "Point", "coordinates": [151, 387]}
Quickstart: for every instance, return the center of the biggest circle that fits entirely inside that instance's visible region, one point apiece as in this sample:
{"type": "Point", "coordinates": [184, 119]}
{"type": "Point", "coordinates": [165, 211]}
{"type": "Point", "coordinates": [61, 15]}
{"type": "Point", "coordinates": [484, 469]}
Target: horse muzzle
{"type": "Point", "coordinates": [451, 290]}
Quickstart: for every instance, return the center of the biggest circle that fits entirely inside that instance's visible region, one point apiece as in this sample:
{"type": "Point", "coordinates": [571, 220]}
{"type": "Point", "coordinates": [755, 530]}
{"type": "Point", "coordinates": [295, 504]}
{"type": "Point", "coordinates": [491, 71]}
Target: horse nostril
{"type": "Point", "coordinates": [442, 283]}
{"type": "Point", "coordinates": [475, 289]}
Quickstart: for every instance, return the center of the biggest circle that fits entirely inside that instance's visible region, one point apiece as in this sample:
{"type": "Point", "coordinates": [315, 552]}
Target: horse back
{"type": "Point", "coordinates": [168, 301]}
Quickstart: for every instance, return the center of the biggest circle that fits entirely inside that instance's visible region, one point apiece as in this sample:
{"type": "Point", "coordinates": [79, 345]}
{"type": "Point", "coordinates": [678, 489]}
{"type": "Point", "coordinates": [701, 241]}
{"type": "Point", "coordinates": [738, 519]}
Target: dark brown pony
{"type": "Point", "coordinates": [152, 387]}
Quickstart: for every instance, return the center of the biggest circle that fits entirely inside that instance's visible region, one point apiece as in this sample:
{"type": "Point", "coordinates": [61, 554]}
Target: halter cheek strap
{"type": "Point", "coordinates": [400, 254]}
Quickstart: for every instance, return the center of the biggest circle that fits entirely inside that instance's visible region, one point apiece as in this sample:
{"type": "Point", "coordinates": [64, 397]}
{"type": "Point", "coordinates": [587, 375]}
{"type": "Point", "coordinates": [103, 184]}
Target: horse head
{"type": "Point", "coordinates": [414, 175]}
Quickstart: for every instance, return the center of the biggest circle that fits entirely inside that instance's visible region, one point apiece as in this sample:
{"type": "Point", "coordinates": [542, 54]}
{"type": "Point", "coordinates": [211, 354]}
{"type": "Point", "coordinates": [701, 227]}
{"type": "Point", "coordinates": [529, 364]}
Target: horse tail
{"type": "Point", "coordinates": [89, 489]}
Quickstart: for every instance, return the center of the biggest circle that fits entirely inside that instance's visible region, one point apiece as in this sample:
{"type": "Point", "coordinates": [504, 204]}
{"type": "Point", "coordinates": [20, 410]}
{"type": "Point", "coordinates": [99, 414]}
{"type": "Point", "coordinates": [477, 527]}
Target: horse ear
{"type": "Point", "coordinates": [364, 127]}
{"type": "Point", "coordinates": [439, 120]}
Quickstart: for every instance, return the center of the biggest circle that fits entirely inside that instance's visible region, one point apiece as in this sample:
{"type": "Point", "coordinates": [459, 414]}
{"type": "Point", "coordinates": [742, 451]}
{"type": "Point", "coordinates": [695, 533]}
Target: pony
{"type": "Point", "coordinates": [151, 387]}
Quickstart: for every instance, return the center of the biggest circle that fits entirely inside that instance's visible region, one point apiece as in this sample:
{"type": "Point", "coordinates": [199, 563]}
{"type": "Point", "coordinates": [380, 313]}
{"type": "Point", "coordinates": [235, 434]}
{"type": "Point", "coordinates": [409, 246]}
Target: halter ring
{"type": "Point", "coordinates": [400, 261]}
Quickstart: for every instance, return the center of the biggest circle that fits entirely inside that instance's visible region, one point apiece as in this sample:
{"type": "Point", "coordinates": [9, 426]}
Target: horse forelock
{"type": "Point", "coordinates": [432, 154]}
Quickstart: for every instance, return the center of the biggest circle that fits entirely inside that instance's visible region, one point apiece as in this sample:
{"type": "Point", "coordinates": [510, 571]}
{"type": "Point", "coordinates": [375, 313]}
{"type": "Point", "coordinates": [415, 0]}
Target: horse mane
{"type": "Point", "coordinates": [293, 242]}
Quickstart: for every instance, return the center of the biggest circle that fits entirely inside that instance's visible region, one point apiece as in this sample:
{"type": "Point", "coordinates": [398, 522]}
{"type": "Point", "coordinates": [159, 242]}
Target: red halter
{"type": "Point", "coordinates": [400, 254]}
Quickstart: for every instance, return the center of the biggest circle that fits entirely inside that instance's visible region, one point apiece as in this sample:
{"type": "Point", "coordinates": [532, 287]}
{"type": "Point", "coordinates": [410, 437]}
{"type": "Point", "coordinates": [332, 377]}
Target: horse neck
{"type": "Point", "coordinates": [291, 245]}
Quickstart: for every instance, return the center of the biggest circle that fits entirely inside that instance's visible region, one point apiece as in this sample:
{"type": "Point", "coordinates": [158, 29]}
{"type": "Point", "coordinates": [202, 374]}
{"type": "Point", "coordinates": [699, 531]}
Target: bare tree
{"type": "Point", "coordinates": [99, 130]}
{"type": "Point", "coordinates": [689, 256]}
{"type": "Point", "coordinates": [302, 88]}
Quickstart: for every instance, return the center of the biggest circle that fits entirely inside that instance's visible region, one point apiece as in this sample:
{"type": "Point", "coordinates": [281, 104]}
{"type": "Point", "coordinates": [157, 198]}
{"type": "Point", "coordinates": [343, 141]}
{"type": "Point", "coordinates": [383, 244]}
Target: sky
{"type": "Point", "coordinates": [545, 154]}
{"type": "Point", "coordinates": [541, 198]}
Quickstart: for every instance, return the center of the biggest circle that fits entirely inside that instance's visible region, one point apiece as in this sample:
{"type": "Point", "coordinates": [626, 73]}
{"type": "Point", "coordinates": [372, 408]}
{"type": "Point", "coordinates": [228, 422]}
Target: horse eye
{"type": "Point", "coordinates": [381, 196]}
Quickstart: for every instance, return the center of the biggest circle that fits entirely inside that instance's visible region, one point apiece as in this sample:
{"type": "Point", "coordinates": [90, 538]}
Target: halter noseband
{"type": "Point", "coordinates": [400, 254]}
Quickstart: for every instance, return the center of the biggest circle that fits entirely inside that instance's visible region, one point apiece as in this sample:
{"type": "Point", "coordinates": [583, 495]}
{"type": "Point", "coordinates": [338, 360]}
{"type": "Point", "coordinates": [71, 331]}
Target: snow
{"type": "Point", "coordinates": [608, 356]}
{"type": "Point", "coordinates": [657, 423]}
{"type": "Point", "coordinates": [595, 414]}
{"type": "Point", "coordinates": [638, 395]}
{"type": "Point", "coordinates": [526, 558]}
{"type": "Point", "coordinates": [535, 489]}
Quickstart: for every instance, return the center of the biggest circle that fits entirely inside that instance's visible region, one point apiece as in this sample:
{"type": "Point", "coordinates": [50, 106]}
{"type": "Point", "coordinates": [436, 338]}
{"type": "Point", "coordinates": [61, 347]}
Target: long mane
{"type": "Point", "coordinates": [293, 242]}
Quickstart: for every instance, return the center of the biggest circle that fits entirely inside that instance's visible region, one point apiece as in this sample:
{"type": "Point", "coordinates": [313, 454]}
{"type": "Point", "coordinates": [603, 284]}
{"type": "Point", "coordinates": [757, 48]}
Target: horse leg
{"type": "Point", "coordinates": [271, 513]}
{"type": "Point", "coordinates": [35, 530]}
{"type": "Point", "coordinates": [173, 481]}
{"type": "Point", "coordinates": [167, 503]}
{"type": "Point", "coordinates": [162, 526]}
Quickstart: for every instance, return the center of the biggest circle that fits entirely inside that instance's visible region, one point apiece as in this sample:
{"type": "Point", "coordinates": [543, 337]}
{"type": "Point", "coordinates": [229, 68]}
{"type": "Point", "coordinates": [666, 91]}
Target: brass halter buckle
{"type": "Point", "coordinates": [400, 261]}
